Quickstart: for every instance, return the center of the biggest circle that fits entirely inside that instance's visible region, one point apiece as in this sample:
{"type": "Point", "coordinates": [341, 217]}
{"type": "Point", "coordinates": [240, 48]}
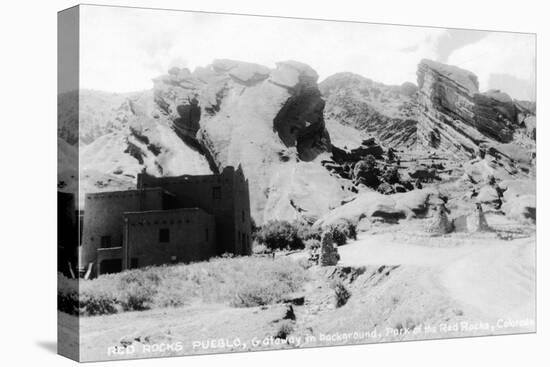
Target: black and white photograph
{"type": "Point", "coordinates": [274, 183]}
{"type": "Point", "coordinates": [232, 183]}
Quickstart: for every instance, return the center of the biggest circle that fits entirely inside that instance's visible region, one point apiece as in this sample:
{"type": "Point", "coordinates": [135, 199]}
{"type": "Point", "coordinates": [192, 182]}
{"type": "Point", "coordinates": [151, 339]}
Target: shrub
{"type": "Point", "coordinates": [285, 329]}
{"type": "Point", "coordinates": [391, 175]}
{"type": "Point", "coordinates": [253, 294]}
{"type": "Point", "coordinates": [99, 303]}
{"type": "Point", "coordinates": [259, 249]}
{"type": "Point", "coordinates": [342, 230]}
{"type": "Point", "coordinates": [312, 244]}
{"type": "Point", "coordinates": [238, 281]}
{"type": "Point", "coordinates": [279, 234]}
{"type": "Point", "coordinates": [307, 232]}
{"type": "Point", "coordinates": [137, 289]}
{"type": "Point", "coordinates": [341, 292]}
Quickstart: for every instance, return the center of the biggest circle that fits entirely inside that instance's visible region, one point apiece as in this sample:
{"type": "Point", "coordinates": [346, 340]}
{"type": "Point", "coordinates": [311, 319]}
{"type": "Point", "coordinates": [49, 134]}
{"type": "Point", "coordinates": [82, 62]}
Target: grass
{"type": "Point", "coordinates": [238, 282]}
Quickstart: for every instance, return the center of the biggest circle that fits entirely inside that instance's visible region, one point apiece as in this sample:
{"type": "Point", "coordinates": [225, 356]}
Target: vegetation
{"type": "Point", "coordinates": [239, 282]}
{"type": "Point", "coordinates": [341, 292]}
{"type": "Point", "coordinates": [279, 235]}
{"type": "Point", "coordinates": [343, 230]}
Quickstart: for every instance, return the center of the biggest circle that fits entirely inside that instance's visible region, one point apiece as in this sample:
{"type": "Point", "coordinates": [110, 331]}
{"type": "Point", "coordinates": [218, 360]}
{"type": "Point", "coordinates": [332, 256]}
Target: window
{"type": "Point", "coordinates": [216, 192]}
{"type": "Point", "coordinates": [164, 235]}
{"type": "Point", "coordinates": [106, 241]}
{"type": "Point", "coordinates": [242, 215]}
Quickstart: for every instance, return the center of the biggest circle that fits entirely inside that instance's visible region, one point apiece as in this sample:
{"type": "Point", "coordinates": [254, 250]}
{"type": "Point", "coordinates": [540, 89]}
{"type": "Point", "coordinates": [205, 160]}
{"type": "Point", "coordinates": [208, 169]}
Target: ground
{"type": "Point", "coordinates": [403, 283]}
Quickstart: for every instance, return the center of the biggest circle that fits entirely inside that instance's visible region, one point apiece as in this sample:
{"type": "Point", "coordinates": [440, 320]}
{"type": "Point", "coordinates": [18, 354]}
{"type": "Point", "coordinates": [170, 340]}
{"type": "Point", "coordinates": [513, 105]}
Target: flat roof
{"type": "Point", "coordinates": [169, 211]}
{"type": "Point", "coordinates": [129, 191]}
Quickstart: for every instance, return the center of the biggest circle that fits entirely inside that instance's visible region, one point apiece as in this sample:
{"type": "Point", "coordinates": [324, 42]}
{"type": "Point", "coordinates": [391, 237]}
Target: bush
{"type": "Point", "coordinates": [137, 289]}
{"type": "Point", "coordinates": [97, 304]}
{"type": "Point", "coordinates": [279, 235]}
{"type": "Point", "coordinates": [285, 329]}
{"type": "Point", "coordinates": [238, 281]}
{"type": "Point", "coordinates": [391, 175]}
{"type": "Point", "coordinates": [308, 232]}
{"type": "Point", "coordinates": [341, 292]}
{"type": "Point", "coordinates": [254, 294]}
{"type": "Point", "coordinates": [342, 230]}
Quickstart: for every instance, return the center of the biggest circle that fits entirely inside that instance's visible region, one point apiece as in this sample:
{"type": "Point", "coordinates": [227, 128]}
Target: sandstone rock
{"type": "Point", "coordinates": [243, 72]}
{"type": "Point", "coordinates": [386, 112]}
{"type": "Point", "coordinates": [489, 195]}
{"type": "Point", "coordinates": [454, 115]}
{"type": "Point", "coordinates": [439, 223]}
{"type": "Point", "coordinates": [328, 253]}
{"type": "Point", "coordinates": [249, 115]}
{"type": "Point", "coordinates": [477, 221]}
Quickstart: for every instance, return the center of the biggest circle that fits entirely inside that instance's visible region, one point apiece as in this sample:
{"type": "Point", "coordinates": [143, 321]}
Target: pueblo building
{"type": "Point", "coordinates": [166, 220]}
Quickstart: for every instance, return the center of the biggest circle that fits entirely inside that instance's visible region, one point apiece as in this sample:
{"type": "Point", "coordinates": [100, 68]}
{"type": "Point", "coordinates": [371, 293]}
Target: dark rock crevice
{"type": "Point", "coordinates": [300, 123]}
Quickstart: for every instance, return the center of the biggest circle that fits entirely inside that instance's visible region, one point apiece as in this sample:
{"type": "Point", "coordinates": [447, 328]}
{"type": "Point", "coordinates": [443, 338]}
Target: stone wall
{"type": "Point", "coordinates": [189, 236]}
{"type": "Point", "coordinates": [103, 217]}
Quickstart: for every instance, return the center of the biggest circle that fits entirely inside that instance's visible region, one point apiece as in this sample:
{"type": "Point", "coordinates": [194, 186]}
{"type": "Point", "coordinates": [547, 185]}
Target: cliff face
{"type": "Point", "coordinates": [268, 121]}
{"type": "Point", "coordinates": [454, 116]}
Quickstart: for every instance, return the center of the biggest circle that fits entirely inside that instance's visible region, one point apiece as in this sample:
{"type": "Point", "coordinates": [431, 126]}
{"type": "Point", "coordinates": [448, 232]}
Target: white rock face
{"type": "Point", "coordinates": [118, 137]}
{"type": "Point", "coordinates": [239, 106]}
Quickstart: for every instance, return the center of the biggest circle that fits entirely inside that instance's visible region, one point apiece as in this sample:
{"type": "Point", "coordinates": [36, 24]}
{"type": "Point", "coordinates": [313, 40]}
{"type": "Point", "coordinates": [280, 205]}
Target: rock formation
{"type": "Point", "coordinates": [328, 255]}
{"type": "Point", "coordinates": [302, 145]}
{"type": "Point", "coordinates": [477, 221]}
{"type": "Point", "coordinates": [455, 116]}
{"type": "Point", "coordinates": [385, 112]}
{"type": "Point", "coordinates": [439, 223]}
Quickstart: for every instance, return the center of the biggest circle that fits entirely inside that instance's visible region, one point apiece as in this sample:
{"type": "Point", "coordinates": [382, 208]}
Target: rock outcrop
{"type": "Point", "coordinates": [455, 116]}
{"type": "Point", "coordinates": [439, 223]}
{"type": "Point", "coordinates": [385, 112]}
{"type": "Point", "coordinates": [328, 253]}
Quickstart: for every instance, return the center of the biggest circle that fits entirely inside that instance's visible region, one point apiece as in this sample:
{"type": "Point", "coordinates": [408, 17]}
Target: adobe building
{"type": "Point", "coordinates": [166, 220]}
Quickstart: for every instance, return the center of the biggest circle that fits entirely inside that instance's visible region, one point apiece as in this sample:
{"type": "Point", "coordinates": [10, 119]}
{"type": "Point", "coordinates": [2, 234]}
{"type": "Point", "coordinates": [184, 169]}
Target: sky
{"type": "Point", "coordinates": [123, 49]}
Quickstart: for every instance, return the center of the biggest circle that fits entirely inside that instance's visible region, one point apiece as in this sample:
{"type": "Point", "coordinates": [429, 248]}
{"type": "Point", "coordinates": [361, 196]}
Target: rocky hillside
{"type": "Point", "coordinates": [385, 112]}
{"type": "Point", "coordinates": [304, 147]}
{"type": "Point", "coordinates": [229, 113]}
{"type": "Point", "coordinates": [446, 112]}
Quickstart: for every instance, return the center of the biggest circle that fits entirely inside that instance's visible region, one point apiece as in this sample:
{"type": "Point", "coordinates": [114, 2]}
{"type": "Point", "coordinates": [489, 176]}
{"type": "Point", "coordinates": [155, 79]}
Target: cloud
{"type": "Point", "coordinates": [500, 53]}
{"type": "Point", "coordinates": [122, 49]}
{"type": "Point", "coordinates": [454, 39]}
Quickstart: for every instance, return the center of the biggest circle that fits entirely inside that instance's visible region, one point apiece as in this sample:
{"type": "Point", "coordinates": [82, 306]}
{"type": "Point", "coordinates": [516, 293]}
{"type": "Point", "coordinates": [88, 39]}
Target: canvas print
{"type": "Point", "coordinates": [233, 183]}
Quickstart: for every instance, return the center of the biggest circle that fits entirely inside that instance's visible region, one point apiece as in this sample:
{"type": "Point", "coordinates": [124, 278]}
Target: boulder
{"type": "Point", "coordinates": [489, 195]}
{"type": "Point", "coordinates": [374, 205]}
{"type": "Point", "coordinates": [439, 223]}
{"type": "Point", "coordinates": [328, 255]}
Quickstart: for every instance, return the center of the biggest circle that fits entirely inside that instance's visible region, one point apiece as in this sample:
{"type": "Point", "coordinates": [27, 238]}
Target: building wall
{"type": "Point", "coordinates": [191, 237]}
{"type": "Point", "coordinates": [109, 260]}
{"type": "Point", "coordinates": [104, 217]}
{"type": "Point", "coordinates": [243, 221]}
{"type": "Point", "coordinates": [226, 196]}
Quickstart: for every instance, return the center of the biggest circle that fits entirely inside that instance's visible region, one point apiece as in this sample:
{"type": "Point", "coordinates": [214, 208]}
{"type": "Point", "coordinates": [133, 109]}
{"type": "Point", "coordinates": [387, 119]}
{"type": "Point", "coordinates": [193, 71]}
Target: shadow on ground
{"type": "Point", "coordinates": [49, 346]}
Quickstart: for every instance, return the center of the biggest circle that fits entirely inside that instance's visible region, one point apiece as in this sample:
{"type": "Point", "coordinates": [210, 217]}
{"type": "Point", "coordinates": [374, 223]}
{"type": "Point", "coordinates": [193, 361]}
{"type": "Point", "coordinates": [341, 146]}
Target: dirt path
{"type": "Point", "coordinates": [494, 276]}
